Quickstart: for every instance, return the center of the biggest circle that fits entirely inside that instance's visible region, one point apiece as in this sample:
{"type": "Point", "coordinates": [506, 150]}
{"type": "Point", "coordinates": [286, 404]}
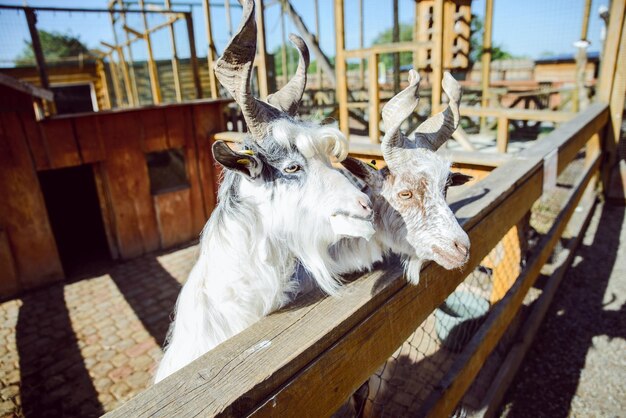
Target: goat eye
{"type": "Point", "coordinates": [405, 194]}
{"type": "Point", "coordinates": [292, 168]}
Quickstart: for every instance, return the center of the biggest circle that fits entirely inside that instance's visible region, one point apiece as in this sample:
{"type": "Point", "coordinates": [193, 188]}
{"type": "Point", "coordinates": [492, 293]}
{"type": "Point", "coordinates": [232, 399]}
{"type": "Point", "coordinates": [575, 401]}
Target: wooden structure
{"type": "Point", "coordinates": [313, 355]}
{"type": "Point", "coordinates": [441, 41]}
{"type": "Point", "coordinates": [115, 148]}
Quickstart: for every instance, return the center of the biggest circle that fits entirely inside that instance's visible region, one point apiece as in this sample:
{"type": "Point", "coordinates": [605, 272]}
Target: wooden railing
{"type": "Point", "coordinates": [308, 358]}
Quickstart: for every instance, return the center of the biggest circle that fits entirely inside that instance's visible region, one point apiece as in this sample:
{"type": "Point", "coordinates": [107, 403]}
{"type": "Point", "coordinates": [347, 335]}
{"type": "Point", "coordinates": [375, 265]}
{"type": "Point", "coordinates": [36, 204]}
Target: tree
{"type": "Point", "coordinates": [54, 45]}
{"type": "Point", "coordinates": [476, 43]}
{"type": "Point", "coordinates": [386, 37]}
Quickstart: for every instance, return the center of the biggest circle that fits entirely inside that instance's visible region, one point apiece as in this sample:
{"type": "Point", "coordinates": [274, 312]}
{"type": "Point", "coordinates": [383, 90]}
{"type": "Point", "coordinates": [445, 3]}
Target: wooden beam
{"type": "Point", "coordinates": [486, 59]}
{"type": "Point", "coordinates": [31, 20]}
{"type": "Point", "coordinates": [436, 57]}
{"type": "Point", "coordinates": [131, 69]}
{"type": "Point", "coordinates": [610, 53]}
{"type": "Point", "coordinates": [19, 85]}
{"type": "Point", "coordinates": [152, 68]}
{"type": "Point", "coordinates": [374, 99]}
{"type": "Point", "coordinates": [211, 48]}
{"type": "Point", "coordinates": [386, 49]}
{"type": "Point", "coordinates": [193, 56]}
{"type": "Point", "coordinates": [318, 68]}
{"type": "Point", "coordinates": [395, 37]}
{"type": "Point", "coordinates": [502, 137]}
{"type": "Point", "coordinates": [518, 114]}
{"type": "Point", "coordinates": [261, 50]}
{"type": "Point", "coordinates": [175, 70]}
{"type": "Point", "coordinates": [341, 69]}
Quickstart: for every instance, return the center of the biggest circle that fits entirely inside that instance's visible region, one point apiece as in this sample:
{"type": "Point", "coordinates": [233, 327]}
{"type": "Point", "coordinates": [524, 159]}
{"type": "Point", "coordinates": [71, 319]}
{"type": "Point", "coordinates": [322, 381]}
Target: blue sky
{"type": "Point", "coordinates": [525, 28]}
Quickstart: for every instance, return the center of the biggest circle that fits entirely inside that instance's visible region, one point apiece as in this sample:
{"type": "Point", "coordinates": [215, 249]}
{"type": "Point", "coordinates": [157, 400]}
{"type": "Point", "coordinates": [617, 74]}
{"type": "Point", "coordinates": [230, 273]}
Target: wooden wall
{"type": "Point", "coordinates": [115, 143]}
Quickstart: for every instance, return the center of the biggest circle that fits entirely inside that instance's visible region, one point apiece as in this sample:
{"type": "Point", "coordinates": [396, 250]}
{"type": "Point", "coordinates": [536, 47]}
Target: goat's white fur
{"type": "Point", "coordinates": [250, 245]}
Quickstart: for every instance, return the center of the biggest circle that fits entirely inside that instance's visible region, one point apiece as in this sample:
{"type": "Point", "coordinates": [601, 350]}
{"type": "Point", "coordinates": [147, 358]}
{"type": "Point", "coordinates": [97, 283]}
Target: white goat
{"type": "Point", "coordinates": [412, 217]}
{"type": "Point", "coordinates": [280, 201]}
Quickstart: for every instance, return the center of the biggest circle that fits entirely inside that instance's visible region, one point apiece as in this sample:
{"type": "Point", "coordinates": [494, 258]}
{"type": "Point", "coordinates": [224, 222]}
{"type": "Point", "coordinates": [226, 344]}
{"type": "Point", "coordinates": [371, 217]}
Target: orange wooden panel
{"type": "Point", "coordinates": [34, 137]}
{"type": "Point", "coordinates": [22, 209]}
{"type": "Point", "coordinates": [126, 178]}
{"type": "Point", "coordinates": [173, 217]}
{"type": "Point", "coordinates": [154, 129]}
{"type": "Point", "coordinates": [179, 126]}
{"type": "Point", "coordinates": [89, 139]}
{"type": "Point", "coordinates": [207, 120]}
{"type": "Point", "coordinates": [60, 143]}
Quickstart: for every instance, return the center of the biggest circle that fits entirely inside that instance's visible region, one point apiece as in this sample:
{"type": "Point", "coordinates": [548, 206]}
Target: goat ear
{"type": "Point", "coordinates": [363, 171]}
{"type": "Point", "coordinates": [245, 163]}
{"type": "Point", "coordinates": [458, 179]}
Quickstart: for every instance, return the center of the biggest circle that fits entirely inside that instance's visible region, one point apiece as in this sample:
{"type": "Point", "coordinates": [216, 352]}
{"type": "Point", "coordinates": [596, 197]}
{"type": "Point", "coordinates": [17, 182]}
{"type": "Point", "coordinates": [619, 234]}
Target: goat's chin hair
{"type": "Point", "coordinates": [309, 242]}
{"type": "Point", "coordinates": [311, 139]}
{"type": "Point", "coordinates": [412, 268]}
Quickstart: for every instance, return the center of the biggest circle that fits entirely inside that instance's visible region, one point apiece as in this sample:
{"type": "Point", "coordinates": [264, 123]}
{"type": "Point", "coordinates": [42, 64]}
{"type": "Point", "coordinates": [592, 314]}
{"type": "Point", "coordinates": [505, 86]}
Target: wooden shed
{"type": "Point", "coordinates": [92, 187]}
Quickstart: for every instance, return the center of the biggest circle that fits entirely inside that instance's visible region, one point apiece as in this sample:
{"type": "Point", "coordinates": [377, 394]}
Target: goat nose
{"type": "Point", "coordinates": [461, 248]}
{"type": "Point", "coordinates": [365, 205]}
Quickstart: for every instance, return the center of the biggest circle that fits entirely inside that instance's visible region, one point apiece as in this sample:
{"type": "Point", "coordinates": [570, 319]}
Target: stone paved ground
{"type": "Point", "coordinates": [84, 348]}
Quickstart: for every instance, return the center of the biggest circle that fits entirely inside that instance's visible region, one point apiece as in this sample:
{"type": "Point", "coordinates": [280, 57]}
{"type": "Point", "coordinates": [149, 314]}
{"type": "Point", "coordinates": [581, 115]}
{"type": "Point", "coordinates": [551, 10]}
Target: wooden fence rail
{"type": "Point", "coordinates": [308, 358]}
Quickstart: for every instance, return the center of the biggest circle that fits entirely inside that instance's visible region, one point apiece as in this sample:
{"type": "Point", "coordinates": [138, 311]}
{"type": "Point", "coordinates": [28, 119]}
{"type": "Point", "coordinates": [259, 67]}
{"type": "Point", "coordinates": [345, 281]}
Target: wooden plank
{"type": "Point", "coordinates": [9, 284]}
{"type": "Point", "coordinates": [60, 143]}
{"type": "Point", "coordinates": [526, 334]}
{"type": "Point", "coordinates": [32, 130]}
{"type": "Point", "coordinates": [104, 201]}
{"type": "Point", "coordinates": [610, 52]}
{"type": "Point", "coordinates": [408, 46]}
{"type": "Point", "coordinates": [262, 75]}
{"type": "Point", "coordinates": [452, 387]}
{"type": "Point", "coordinates": [341, 69]}
{"type": "Point", "coordinates": [502, 135]}
{"type": "Point", "coordinates": [180, 134]}
{"type": "Point", "coordinates": [518, 114]}
{"type": "Point", "coordinates": [127, 181]}
{"type": "Point", "coordinates": [211, 48]}
{"type": "Point", "coordinates": [374, 96]}
{"type": "Point", "coordinates": [152, 68]}
{"type": "Point", "coordinates": [89, 139]}
{"type": "Point", "coordinates": [437, 56]}
{"type": "Point", "coordinates": [24, 87]}
{"type": "Point", "coordinates": [277, 364]}
{"type": "Point", "coordinates": [486, 59]}
{"type": "Point", "coordinates": [173, 217]}
{"type": "Point", "coordinates": [462, 138]}
{"type": "Point", "coordinates": [205, 125]}
{"type": "Point", "coordinates": [154, 127]}
{"type": "Point", "coordinates": [23, 211]}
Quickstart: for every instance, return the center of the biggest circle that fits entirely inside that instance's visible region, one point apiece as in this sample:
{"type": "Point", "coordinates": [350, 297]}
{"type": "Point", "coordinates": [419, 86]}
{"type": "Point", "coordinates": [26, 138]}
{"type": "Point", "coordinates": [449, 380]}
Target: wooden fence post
{"type": "Point", "coordinates": [374, 98]}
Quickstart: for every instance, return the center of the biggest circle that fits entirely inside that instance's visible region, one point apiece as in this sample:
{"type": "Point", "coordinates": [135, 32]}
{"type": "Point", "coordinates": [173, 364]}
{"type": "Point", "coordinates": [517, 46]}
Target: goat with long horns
{"type": "Point", "coordinates": [280, 202]}
{"type": "Point", "coordinates": [413, 219]}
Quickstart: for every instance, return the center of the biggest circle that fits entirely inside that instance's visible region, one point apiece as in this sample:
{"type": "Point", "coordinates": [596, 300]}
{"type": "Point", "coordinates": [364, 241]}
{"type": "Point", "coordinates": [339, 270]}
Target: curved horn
{"type": "Point", "coordinates": [234, 69]}
{"type": "Point", "coordinates": [394, 113]}
{"type": "Point", "coordinates": [435, 131]}
{"type": "Point", "coordinates": [288, 98]}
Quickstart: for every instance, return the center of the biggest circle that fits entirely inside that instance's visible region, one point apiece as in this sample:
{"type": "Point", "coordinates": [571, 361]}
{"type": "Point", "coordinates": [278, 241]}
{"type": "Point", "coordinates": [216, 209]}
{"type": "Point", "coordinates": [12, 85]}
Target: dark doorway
{"type": "Point", "coordinates": [74, 211]}
{"type": "Point", "coordinates": [73, 99]}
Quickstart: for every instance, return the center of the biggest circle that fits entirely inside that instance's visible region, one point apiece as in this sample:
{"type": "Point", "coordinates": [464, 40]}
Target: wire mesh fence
{"type": "Point", "coordinates": [402, 385]}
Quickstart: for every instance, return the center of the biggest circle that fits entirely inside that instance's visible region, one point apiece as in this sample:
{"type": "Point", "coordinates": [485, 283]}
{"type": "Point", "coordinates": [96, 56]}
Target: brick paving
{"type": "Point", "coordinates": [84, 348]}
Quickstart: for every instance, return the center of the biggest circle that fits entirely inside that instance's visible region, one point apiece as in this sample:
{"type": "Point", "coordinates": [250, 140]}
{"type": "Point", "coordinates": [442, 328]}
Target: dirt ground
{"type": "Point", "coordinates": [577, 364]}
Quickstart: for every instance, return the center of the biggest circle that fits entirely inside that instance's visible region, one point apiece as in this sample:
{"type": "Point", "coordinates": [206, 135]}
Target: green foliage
{"type": "Point", "coordinates": [386, 37]}
{"type": "Point", "coordinates": [476, 43]}
{"type": "Point", "coordinates": [54, 45]}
